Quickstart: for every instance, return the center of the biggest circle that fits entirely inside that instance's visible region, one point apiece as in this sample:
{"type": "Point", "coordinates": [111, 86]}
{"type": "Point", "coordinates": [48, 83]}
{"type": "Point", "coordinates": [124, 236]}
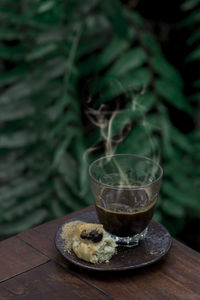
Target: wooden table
{"type": "Point", "coordinates": [32, 268]}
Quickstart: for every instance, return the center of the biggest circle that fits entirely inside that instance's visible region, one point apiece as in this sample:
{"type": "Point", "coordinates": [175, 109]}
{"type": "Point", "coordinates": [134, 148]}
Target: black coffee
{"type": "Point", "coordinates": [125, 214]}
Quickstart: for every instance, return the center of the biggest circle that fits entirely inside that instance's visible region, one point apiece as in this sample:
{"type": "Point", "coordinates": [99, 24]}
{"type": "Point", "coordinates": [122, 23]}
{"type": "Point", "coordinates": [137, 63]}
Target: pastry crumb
{"type": "Point", "coordinates": [67, 234]}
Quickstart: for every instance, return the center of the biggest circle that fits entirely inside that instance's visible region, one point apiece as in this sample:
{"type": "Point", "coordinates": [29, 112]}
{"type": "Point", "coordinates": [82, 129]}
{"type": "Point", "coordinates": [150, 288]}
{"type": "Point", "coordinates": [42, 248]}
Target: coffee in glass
{"type": "Point", "coordinates": [126, 188]}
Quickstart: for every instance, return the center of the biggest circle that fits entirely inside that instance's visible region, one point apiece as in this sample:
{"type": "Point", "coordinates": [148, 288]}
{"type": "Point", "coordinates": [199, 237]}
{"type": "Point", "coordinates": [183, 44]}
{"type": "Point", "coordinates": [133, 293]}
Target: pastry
{"type": "Point", "coordinates": [89, 241]}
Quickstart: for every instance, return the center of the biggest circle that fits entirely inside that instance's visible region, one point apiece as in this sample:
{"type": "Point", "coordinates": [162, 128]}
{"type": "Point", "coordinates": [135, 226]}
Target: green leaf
{"type": "Point", "coordinates": [134, 17]}
{"type": "Point", "coordinates": [88, 46]}
{"type": "Point", "coordinates": [116, 47]}
{"type": "Point", "coordinates": [14, 112]}
{"type": "Point", "coordinates": [192, 19]}
{"type": "Point", "coordinates": [14, 53]}
{"type": "Point", "coordinates": [185, 200]}
{"type": "Point", "coordinates": [150, 43]}
{"type": "Point", "coordinates": [184, 166]}
{"type": "Point", "coordinates": [130, 84]}
{"type": "Point", "coordinates": [55, 111]}
{"type": "Point", "coordinates": [189, 4]}
{"type": "Point", "coordinates": [92, 139]}
{"type": "Point", "coordinates": [65, 195]}
{"type": "Point", "coordinates": [173, 209]}
{"type": "Point", "coordinates": [115, 13]}
{"type": "Point", "coordinates": [22, 208]}
{"type": "Point", "coordinates": [173, 95]}
{"type": "Point", "coordinates": [46, 6]}
{"type": "Point", "coordinates": [157, 216]}
{"type": "Point", "coordinates": [54, 34]}
{"type": "Point", "coordinates": [130, 60]}
{"type": "Point", "coordinates": [11, 17]}
{"type": "Point", "coordinates": [18, 139]}
{"type": "Point", "coordinates": [57, 208]}
{"type": "Point", "coordinates": [61, 148]}
{"type": "Point", "coordinates": [41, 51]}
{"type": "Point", "coordinates": [166, 134]}
{"type": "Point", "coordinates": [137, 141]}
{"type": "Point", "coordinates": [88, 65]}
{"type": "Point", "coordinates": [7, 205]}
{"type": "Point", "coordinates": [134, 111]}
{"type": "Point", "coordinates": [164, 69]}
{"type": "Point", "coordinates": [20, 187]}
{"type": "Point", "coordinates": [180, 140]}
{"type": "Point", "coordinates": [67, 168]}
{"type": "Point", "coordinates": [195, 36]}
{"type": "Point", "coordinates": [30, 86]}
{"type": "Point", "coordinates": [63, 123]}
{"type": "Point", "coordinates": [123, 118]}
{"type": "Point", "coordinates": [145, 102]}
{"type": "Point", "coordinates": [10, 34]}
{"type": "Point", "coordinates": [11, 171]}
{"type": "Point", "coordinates": [183, 182]}
{"type": "Point", "coordinates": [8, 77]}
{"type": "Point", "coordinates": [194, 55]}
{"type": "Point", "coordinates": [30, 220]}
{"type": "Point", "coordinates": [15, 92]}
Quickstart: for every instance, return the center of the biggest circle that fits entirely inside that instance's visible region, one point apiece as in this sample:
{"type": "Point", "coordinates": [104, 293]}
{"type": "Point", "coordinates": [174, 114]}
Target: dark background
{"type": "Point", "coordinates": [47, 76]}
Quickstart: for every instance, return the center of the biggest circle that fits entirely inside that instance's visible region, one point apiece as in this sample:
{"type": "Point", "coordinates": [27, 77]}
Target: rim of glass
{"type": "Point", "coordinates": [131, 187]}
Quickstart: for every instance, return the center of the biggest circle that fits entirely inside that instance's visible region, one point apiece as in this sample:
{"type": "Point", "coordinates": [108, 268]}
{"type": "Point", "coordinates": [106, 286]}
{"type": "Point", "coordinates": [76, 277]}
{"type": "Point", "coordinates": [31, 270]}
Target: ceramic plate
{"type": "Point", "coordinates": [154, 247]}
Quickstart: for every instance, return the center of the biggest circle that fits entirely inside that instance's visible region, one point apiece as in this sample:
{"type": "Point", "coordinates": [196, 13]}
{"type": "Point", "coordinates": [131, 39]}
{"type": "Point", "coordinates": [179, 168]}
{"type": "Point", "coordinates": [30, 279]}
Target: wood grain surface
{"type": "Point", "coordinates": [16, 257]}
{"type": "Point", "coordinates": [49, 281]}
{"type": "Point", "coordinates": [49, 276]}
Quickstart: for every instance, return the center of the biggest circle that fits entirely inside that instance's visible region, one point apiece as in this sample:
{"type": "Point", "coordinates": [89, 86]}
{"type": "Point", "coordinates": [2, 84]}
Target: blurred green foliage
{"type": "Point", "coordinates": [66, 67]}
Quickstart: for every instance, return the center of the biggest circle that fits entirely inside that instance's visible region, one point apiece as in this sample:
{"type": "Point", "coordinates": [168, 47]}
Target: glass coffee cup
{"type": "Point", "coordinates": [126, 188]}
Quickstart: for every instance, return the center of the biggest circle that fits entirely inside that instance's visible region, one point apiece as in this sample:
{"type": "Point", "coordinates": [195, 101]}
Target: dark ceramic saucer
{"type": "Point", "coordinates": [155, 246]}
